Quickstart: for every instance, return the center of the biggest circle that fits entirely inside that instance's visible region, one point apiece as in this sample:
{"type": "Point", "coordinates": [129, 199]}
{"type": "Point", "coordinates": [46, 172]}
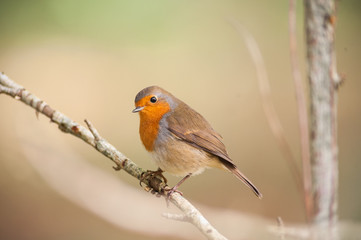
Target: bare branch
{"type": "Point", "coordinates": [323, 79]}
{"type": "Point", "coordinates": [9, 91]}
{"type": "Point", "coordinates": [195, 217]}
{"type": "Point", "coordinates": [176, 217]}
{"type": "Point", "coordinates": [93, 138]}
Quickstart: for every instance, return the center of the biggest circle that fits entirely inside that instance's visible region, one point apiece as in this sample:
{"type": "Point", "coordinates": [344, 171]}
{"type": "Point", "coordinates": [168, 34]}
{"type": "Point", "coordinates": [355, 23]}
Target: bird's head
{"type": "Point", "coordinates": [153, 102]}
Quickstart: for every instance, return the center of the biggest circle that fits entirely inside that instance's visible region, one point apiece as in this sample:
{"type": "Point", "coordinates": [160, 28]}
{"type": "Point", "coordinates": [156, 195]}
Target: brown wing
{"type": "Point", "coordinates": [202, 140]}
{"type": "Point", "coordinates": [196, 131]}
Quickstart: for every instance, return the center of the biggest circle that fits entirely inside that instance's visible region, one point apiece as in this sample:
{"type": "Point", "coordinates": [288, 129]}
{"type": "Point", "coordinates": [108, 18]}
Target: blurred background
{"type": "Point", "coordinates": [88, 59]}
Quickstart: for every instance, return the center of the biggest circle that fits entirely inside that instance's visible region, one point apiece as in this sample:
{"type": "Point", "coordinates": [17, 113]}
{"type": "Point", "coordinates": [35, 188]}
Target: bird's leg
{"type": "Point", "coordinates": [175, 188]}
{"type": "Point", "coordinates": [152, 174]}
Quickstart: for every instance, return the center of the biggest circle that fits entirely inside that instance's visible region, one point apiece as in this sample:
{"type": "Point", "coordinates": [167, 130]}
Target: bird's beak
{"type": "Point", "coordinates": [137, 109]}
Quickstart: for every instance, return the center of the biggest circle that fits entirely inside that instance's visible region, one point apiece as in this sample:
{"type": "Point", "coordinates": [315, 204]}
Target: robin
{"type": "Point", "coordinates": [179, 139]}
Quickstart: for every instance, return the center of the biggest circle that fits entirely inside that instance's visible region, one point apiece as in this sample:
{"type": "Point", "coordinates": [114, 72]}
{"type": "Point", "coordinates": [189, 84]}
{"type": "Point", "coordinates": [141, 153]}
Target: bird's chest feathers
{"type": "Point", "coordinates": [149, 126]}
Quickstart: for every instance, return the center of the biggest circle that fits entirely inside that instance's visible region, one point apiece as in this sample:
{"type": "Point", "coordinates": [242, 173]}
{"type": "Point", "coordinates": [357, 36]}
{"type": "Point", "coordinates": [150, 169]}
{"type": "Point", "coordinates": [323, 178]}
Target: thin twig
{"type": "Point", "coordinates": [302, 112]}
{"type": "Point", "coordinates": [92, 130]}
{"type": "Point", "coordinates": [269, 109]}
{"type": "Point", "coordinates": [93, 138]}
{"type": "Point", "coordinates": [281, 227]}
{"type": "Point", "coordinates": [297, 232]}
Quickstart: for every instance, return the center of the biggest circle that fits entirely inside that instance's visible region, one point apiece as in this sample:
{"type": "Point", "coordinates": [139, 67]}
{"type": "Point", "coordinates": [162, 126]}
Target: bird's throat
{"type": "Point", "coordinates": [149, 126]}
{"type": "Point", "coordinates": [148, 131]}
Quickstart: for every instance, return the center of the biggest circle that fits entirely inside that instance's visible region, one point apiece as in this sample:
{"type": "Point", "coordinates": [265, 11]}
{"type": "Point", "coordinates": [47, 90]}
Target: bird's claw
{"type": "Point", "coordinates": [149, 174]}
{"type": "Point", "coordinates": [169, 191]}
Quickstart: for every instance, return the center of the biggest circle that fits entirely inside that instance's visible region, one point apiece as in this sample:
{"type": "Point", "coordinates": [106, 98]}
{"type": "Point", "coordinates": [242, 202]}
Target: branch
{"type": "Point", "coordinates": [92, 137]}
{"type": "Point", "coordinates": [323, 79]}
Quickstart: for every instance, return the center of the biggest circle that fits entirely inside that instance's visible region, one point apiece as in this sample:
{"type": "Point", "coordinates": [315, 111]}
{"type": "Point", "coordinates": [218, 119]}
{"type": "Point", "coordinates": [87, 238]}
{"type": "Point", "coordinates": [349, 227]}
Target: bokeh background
{"type": "Point", "coordinates": [88, 59]}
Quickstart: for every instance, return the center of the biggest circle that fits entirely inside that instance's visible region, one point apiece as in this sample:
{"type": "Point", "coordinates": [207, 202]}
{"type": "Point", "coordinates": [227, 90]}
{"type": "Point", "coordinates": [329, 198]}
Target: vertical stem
{"type": "Point", "coordinates": [302, 113]}
{"type": "Point", "coordinates": [319, 23]}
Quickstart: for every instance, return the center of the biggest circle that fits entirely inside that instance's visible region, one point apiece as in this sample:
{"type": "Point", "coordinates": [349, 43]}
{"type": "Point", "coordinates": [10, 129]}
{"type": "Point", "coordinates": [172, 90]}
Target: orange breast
{"type": "Point", "coordinates": [149, 123]}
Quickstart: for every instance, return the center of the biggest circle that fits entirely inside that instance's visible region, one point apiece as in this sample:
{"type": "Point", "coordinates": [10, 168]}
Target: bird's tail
{"type": "Point", "coordinates": [233, 169]}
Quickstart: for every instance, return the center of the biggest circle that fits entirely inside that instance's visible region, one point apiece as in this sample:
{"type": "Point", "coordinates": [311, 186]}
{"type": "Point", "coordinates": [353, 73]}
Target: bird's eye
{"type": "Point", "coordinates": [153, 99]}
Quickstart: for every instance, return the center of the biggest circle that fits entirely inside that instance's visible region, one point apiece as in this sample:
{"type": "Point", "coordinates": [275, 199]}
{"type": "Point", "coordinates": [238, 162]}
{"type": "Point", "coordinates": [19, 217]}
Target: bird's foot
{"type": "Point", "coordinates": [169, 191]}
{"type": "Point", "coordinates": [153, 178]}
{"type": "Point", "coordinates": [174, 189]}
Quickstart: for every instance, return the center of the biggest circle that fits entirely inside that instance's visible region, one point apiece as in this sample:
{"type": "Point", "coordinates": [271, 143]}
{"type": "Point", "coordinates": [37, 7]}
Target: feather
{"type": "Point", "coordinates": [196, 131]}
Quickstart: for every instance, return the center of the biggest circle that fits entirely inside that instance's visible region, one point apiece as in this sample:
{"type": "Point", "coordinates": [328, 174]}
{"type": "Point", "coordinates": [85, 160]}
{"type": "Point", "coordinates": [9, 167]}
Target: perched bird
{"type": "Point", "coordinates": [179, 139]}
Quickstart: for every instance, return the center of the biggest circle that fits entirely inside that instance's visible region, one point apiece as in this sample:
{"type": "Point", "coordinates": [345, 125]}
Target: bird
{"type": "Point", "coordinates": [179, 139]}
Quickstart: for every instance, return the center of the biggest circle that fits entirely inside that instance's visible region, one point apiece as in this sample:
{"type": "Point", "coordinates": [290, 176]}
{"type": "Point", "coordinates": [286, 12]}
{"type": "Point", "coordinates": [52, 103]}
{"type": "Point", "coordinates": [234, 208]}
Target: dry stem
{"type": "Point", "coordinates": [302, 112]}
